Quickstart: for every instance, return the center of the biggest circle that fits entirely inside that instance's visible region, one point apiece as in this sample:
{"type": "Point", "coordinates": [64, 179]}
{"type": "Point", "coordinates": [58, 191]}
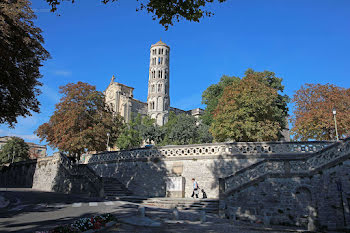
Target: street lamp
{"type": "Point", "coordinates": [108, 141]}
{"type": "Point", "coordinates": [335, 123]}
{"type": "Point", "coordinates": [13, 156]}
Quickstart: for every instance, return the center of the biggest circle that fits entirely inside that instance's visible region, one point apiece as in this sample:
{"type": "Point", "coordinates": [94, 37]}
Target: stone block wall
{"type": "Point", "coordinates": [145, 171]}
{"type": "Point", "coordinates": [148, 177]}
{"type": "Point", "coordinates": [17, 175]}
{"type": "Point", "coordinates": [312, 193]}
{"type": "Point", "coordinates": [51, 174]}
{"type": "Point", "coordinates": [46, 172]}
{"type": "Point", "coordinates": [142, 178]}
{"type": "Point", "coordinates": [294, 200]}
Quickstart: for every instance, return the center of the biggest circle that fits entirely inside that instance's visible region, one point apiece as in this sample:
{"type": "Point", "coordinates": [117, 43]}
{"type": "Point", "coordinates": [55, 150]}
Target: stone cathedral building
{"type": "Point", "coordinates": [120, 97]}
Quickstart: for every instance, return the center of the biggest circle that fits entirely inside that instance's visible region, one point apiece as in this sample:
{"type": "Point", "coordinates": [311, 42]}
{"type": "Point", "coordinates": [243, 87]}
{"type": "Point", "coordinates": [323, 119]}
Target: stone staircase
{"type": "Point", "coordinates": [209, 205]}
{"type": "Point", "coordinates": [113, 188]}
{"type": "Point", "coordinates": [327, 157]}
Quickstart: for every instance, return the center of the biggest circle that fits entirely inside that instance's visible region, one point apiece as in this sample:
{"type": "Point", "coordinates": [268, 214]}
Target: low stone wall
{"type": "Point", "coordinates": [52, 174]}
{"type": "Point", "coordinates": [17, 175]}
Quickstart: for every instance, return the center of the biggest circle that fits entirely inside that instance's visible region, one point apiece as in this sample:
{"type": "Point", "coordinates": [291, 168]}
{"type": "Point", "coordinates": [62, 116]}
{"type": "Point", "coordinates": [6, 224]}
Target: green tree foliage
{"type": "Point", "coordinates": [179, 130]}
{"type": "Point", "coordinates": [313, 117]}
{"type": "Point", "coordinates": [211, 96]}
{"type": "Point", "coordinates": [130, 136]}
{"type": "Point", "coordinates": [81, 121]}
{"type": "Point", "coordinates": [14, 150]}
{"type": "Point", "coordinates": [21, 55]}
{"type": "Point", "coordinates": [150, 131]}
{"type": "Point", "coordinates": [204, 134]}
{"type": "Point", "coordinates": [183, 129]}
{"type": "Point", "coordinates": [249, 110]}
{"type": "Point", "coordinates": [140, 129]}
{"type": "Point", "coordinates": [165, 11]}
{"type": "Point", "coordinates": [213, 93]}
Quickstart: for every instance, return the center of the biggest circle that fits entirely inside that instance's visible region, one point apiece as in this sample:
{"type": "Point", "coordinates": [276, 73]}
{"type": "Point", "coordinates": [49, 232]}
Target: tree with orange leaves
{"type": "Point", "coordinates": [313, 116]}
{"type": "Point", "coordinates": [81, 121]}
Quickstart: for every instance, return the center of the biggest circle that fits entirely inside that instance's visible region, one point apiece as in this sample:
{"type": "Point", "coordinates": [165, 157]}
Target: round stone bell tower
{"type": "Point", "coordinates": [158, 83]}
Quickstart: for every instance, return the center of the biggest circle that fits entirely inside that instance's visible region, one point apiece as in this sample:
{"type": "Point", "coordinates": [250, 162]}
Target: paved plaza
{"type": "Point", "coordinates": [30, 211]}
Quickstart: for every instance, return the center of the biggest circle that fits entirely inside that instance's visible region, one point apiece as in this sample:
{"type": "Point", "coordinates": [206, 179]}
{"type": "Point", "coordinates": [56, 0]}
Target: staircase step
{"type": "Point", "coordinates": [114, 188]}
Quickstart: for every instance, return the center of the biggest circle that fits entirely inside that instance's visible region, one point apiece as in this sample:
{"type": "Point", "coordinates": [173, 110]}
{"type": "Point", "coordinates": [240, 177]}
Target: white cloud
{"type": "Point", "coordinates": [26, 137]}
{"type": "Point", "coordinates": [64, 73]}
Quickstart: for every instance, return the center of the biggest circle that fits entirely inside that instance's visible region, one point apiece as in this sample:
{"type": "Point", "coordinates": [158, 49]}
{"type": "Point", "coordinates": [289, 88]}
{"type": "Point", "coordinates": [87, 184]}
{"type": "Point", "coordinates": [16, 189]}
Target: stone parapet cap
{"type": "Point", "coordinates": [265, 149]}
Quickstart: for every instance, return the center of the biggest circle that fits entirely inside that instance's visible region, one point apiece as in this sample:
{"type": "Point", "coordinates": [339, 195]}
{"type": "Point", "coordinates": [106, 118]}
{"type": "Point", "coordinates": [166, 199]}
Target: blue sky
{"type": "Point", "coordinates": [302, 41]}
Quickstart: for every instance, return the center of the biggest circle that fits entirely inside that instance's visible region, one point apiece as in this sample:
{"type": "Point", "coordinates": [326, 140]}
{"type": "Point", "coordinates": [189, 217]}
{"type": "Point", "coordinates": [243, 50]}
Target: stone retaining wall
{"type": "Point", "coordinates": [145, 171]}
{"type": "Point", "coordinates": [17, 175]}
{"type": "Point", "coordinates": [309, 192]}
{"type": "Point", "coordinates": [52, 174]}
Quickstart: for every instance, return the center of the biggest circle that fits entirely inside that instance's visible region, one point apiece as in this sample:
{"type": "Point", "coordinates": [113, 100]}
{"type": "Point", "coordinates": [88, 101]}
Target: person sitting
{"type": "Point", "coordinates": [204, 194]}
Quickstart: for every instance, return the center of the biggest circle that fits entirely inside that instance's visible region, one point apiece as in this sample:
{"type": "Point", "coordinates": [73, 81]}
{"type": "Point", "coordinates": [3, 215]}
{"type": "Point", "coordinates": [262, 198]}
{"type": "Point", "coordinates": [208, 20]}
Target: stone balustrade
{"type": "Point", "coordinates": [299, 166]}
{"type": "Point", "coordinates": [212, 149]}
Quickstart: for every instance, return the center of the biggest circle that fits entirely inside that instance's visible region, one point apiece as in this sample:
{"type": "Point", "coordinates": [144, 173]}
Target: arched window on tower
{"type": "Point", "coordinates": [165, 89]}
{"type": "Point", "coordinates": [166, 52]}
{"type": "Point", "coordinates": [159, 74]}
{"type": "Point", "coordinates": [159, 87]}
{"type": "Point", "coordinates": [158, 60]}
{"type": "Point", "coordinates": [165, 104]}
{"type": "Point", "coordinates": [153, 88]}
{"type": "Point", "coordinates": [165, 74]}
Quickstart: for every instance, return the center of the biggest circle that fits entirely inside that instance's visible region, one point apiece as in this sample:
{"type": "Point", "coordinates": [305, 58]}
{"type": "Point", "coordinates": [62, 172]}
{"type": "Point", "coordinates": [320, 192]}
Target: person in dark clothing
{"type": "Point", "coordinates": [204, 194]}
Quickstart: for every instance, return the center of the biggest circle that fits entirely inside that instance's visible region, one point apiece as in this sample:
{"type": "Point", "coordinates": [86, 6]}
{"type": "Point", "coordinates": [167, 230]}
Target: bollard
{"type": "Point", "coordinates": [141, 211]}
{"type": "Point", "coordinates": [203, 217]}
{"type": "Point", "coordinates": [175, 214]}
